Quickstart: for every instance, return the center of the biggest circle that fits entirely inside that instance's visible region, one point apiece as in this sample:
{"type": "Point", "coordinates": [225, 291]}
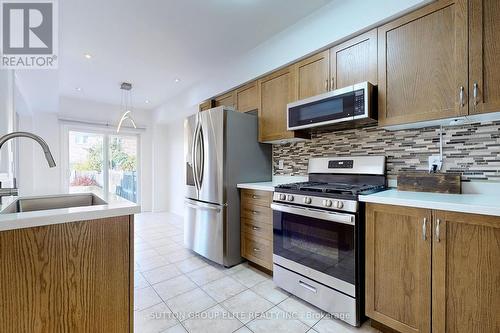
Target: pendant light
{"type": "Point", "coordinates": [126, 104]}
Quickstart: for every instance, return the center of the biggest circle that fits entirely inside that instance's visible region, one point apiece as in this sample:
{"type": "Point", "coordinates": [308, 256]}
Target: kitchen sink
{"type": "Point", "coordinates": [30, 204]}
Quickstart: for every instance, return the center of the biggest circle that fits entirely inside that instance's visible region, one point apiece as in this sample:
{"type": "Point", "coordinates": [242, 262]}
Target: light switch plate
{"type": "Point", "coordinates": [281, 164]}
{"type": "Point", "coordinates": [435, 160]}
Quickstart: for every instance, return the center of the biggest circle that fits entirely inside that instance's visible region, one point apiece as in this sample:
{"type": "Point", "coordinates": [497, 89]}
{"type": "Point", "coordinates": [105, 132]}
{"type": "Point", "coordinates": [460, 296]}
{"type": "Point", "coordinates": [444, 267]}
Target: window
{"type": "Point", "coordinates": [103, 164]}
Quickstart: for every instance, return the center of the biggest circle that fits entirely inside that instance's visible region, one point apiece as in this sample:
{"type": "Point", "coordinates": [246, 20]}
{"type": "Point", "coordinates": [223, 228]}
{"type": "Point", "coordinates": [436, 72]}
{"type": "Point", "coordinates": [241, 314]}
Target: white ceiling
{"type": "Point", "coordinates": [150, 43]}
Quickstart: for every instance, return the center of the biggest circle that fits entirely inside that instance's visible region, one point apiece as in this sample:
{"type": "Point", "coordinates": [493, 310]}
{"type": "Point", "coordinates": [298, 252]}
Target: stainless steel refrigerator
{"type": "Point", "coordinates": [221, 150]}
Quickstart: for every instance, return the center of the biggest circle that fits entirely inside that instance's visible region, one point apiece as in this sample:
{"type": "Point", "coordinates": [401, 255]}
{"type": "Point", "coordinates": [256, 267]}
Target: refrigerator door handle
{"type": "Point", "coordinates": [201, 143]}
{"type": "Point", "coordinates": [202, 205]}
{"type": "Point", "coordinates": [194, 155]}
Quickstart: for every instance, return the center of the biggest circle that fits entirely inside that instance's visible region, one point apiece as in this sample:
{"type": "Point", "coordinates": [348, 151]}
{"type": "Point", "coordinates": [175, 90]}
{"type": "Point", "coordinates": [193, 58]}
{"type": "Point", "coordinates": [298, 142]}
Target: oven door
{"type": "Point", "coordinates": [316, 243]}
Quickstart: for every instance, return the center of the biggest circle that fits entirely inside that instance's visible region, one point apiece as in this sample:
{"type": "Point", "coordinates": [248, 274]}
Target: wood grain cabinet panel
{"type": "Point", "coordinates": [484, 55]}
{"type": "Point", "coordinates": [312, 75]}
{"type": "Point", "coordinates": [354, 61]}
{"type": "Point", "coordinates": [207, 105]}
{"type": "Point", "coordinates": [276, 91]}
{"type": "Point", "coordinates": [247, 97]}
{"type": "Point", "coordinates": [228, 99]}
{"type": "Point", "coordinates": [445, 272]}
{"type": "Point", "coordinates": [398, 267]}
{"type": "Point", "coordinates": [465, 273]}
{"type": "Point", "coordinates": [72, 277]}
{"type": "Point", "coordinates": [422, 65]}
{"type": "Point", "coordinates": [257, 227]}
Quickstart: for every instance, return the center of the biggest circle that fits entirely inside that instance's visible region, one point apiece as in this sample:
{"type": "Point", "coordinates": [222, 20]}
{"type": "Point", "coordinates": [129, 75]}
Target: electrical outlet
{"type": "Point", "coordinates": [281, 164]}
{"type": "Point", "coordinates": [435, 160]}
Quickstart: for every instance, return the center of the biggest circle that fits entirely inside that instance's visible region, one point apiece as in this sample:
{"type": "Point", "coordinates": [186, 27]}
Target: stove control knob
{"type": "Point", "coordinates": [307, 200]}
{"type": "Point", "coordinates": [339, 204]}
{"type": "Point", "coordinates": [282, 197]}
{"type": "Point", "coordinates": [289, 197]}
{"type": "Point", "coordinates": [327, 203]}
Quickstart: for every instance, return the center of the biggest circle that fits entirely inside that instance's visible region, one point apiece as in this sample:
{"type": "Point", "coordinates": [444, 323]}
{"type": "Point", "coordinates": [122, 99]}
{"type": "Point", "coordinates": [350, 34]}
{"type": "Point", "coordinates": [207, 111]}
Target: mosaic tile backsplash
{"type": "Point", "coordinates": [471, 149]}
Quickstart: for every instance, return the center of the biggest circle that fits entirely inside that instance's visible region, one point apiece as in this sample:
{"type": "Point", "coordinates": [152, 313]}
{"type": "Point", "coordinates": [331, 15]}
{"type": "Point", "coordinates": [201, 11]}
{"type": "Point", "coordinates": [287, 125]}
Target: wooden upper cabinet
{"type": "Point", "coordinates": [465, 273]}
{"type": "Point", "coordinates": [422, 65]}
{"type": "Point", "coordinates": [484, 55]}
{"type": "Point", "coordinates": [312, 75]}
{"type": "Point", "coordinates": [227, 99]}
{"type": "Point", "coordinates": [247, 97]}
{"type": "Point", "coordinates": [398, 267]}
{"type": "Point", "coordinates": [276, 91]}
{"type": "Point", "coordinates": [207, 105]}
{"type": "Point", "coordinates": [354, 61]}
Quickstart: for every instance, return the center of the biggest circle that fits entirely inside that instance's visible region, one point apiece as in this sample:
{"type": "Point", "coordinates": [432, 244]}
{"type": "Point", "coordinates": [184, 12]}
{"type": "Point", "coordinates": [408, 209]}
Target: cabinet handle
{"type": "Point", "coordinates": [326, 85]}
{"type": "Point", "coordinates": [424, 229]}
{"type": "Point", "coordinates": [476, 90]}
{"type": "Point", "coordinates": [438, 222]}
{"type": "Point", "coordinates": [332, 84]}
{"type": "Point", "coordinates": [254, 197]}
{"type": "Point", "coordinates": [255, 228]}
{"type": "Point", "coordinates": [461, 96]}
{"type": "Point", "coordinates": [254, 212]}
{"type": "Point", "coordinates": [256, 249]}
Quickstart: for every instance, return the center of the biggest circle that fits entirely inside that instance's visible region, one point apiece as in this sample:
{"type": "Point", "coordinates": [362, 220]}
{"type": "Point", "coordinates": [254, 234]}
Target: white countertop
{"type": "Point", "coordinates": [262, 186]}
{"type": "Point", "coordinates": [269, 186]}
{"type": "Point", "coordinates": [115, 207]}
{"type": "Point", "coordinates": [486, 204]}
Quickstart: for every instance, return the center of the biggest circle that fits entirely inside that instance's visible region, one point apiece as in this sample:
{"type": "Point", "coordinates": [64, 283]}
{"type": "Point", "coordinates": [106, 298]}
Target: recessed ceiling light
{"type": "Point", "coordinates": [88, 56]}
{"type": "Point", "coordinates": [177, 80]}
{"type": "Point", "coordinates": [147, 101]}
{"type": "Point", "coordinates": [78, 89]}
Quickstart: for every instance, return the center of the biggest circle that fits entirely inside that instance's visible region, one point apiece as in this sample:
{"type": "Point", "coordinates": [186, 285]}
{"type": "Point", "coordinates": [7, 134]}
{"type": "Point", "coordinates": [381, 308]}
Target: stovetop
{"type": "Point", "coordinates": [327, 189]}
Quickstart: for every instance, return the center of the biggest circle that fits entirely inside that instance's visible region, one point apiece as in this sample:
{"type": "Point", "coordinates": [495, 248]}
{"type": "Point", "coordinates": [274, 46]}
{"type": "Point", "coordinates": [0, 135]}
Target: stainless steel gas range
{"type": "Point", "coordinates": [318, 229]}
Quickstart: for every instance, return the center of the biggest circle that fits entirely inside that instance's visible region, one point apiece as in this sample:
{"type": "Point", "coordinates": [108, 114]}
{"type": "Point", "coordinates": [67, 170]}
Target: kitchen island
{"type": "Point", "coordinates": [67, 269]}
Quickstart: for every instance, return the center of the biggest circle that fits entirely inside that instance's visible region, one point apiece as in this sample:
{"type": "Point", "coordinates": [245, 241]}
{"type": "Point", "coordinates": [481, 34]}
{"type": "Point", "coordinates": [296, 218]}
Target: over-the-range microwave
{"type": "Point", "coordinates": [345, 107]}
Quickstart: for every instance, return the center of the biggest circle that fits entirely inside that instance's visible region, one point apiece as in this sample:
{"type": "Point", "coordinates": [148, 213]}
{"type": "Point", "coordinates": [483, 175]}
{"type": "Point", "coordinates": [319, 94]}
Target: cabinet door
{"type": "Point", "coordinates": [422, 65]}
{"type": "Point", "coordinates": [226, 100]}
{"type": "Point", "coordinates": [247, 97]}
{"type": "Point", "coordinates": [484, 53]}
{"type": "Point", "coordinates": [312, 75]}
{"type": "Point", "coordinates": [276, 91]}
{"type": "Point", "coordinates": [465, 273]}
{"type": "Point", "coordinates": [354, 61]}
{"type": "Point", "coordinates": [398, 267]}
{"type": "Point", "coordinates": [207, 105]}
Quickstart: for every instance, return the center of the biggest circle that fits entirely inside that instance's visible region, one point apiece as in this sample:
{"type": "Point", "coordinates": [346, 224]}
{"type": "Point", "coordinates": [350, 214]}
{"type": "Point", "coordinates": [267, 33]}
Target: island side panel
{"type": "Point", "coordinates": [72, 277]}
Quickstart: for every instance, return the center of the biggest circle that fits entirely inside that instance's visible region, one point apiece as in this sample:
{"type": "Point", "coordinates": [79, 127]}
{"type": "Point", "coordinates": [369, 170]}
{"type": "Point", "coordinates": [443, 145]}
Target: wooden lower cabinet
{"type": "Point", "coordinates": [432, 271]}
{"type": "Point", "coordinates": [257, 227]}
{"type": "Point", "coordinates": [465, 273]}
{"type": "Point", "coordinates": [73, 277]}
{"type": "Point", "coordinates": [398, 267]}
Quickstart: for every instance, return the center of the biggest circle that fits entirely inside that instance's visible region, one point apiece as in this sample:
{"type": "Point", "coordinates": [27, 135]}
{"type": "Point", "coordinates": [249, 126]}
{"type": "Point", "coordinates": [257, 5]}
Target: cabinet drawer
{"type": "Point", "coordinates": [256, 213]}
{"type": "Point", "coordinates": [257, 229]}
{"type": "Point", "coordinates": [254, 197]}
{"type": "Point", "coordinates": [259, 251]}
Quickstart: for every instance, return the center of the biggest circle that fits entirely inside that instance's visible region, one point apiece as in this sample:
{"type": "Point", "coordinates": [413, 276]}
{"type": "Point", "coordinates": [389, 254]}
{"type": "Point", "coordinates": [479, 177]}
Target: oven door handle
{"type": "Point", "coordinates": [318, 214]}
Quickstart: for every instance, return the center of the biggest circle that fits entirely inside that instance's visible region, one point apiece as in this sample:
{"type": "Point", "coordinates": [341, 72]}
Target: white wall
{"type": "Point", "coordinates": [175, 177]}
{"type": "Point", "coordinates": [329, 25]}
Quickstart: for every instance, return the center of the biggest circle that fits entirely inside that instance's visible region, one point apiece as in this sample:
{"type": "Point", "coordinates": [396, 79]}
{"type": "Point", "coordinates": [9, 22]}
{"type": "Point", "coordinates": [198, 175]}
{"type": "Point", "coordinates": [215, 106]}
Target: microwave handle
{"type": "Point", "coordinates": [318, 214]}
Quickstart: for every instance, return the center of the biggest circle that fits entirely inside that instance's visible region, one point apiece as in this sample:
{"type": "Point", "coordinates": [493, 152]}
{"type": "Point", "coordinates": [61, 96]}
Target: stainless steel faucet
{"type": "Point", "coordinates": [46, 150]}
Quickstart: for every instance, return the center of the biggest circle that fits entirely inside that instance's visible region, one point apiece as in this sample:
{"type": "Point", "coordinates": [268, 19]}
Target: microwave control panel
{"type": "Point", "coordinates": [359, 102]}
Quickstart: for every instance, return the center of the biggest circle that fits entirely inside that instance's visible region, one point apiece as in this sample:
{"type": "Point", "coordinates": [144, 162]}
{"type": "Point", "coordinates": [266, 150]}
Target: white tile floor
{"type": "Point", "coordinates": [179, 291]}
